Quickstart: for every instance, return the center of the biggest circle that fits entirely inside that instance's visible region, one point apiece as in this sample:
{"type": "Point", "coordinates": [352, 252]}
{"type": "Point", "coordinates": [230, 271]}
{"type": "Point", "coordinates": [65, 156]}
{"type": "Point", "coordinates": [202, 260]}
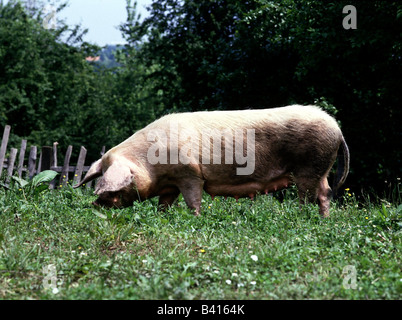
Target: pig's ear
{"type": "Point", "coordinates": [93, 172]}
{"type": "Point", "coordinates": [116, 177]}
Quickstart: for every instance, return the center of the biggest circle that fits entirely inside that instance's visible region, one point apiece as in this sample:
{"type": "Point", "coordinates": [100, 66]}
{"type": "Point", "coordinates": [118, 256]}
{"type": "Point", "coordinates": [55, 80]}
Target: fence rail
{"type": "Point", "coordinates": [47, 161]}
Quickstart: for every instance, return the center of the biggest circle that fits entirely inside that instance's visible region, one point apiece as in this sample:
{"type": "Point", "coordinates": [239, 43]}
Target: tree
{"type": "Point", "coordinates": [359, 71]}
{"type": "Point", "coordinates": [228, 54]}
{"type": "Point", "coordinates": [48, 92]}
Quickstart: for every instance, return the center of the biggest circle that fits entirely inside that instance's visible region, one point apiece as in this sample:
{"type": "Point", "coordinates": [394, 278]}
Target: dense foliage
{"type": "Point", "coordinates": [242, 54]}
{"type": "Point", "coordinates": [48, 91]}
{"type": "Point", "coordinates": [198, 55]}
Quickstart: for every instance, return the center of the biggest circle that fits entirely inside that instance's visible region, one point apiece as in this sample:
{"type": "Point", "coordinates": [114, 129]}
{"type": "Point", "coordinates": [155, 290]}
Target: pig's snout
{"type": "Point", "coordinates": [107, 200]}
{"type": "Point", "coordinates": [113, 200]}
{"type": "Point", "coordinates": [108, 203]}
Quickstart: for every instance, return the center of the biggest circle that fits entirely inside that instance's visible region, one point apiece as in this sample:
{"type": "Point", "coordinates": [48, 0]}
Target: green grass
{"type": "Point", "coordinates": [261, 249]}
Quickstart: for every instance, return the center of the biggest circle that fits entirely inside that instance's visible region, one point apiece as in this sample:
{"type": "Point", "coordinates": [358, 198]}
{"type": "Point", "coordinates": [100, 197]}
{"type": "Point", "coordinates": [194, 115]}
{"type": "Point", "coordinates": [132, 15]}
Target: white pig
{"type": "Point", "coordinates": [226, 153]}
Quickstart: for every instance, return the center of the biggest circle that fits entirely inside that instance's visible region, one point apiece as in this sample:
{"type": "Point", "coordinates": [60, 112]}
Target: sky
{"type": "Point", "coordinates": [101, 18]}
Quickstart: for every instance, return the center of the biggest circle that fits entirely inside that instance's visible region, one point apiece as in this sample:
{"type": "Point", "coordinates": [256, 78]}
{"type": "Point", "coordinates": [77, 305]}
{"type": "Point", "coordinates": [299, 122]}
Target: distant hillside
{"type": "Point", "coordinates": [106, 57]}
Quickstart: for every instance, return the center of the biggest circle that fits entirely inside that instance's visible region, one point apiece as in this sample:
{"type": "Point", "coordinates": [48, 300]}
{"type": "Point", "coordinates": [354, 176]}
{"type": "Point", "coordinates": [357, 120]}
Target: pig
{"type": "Point", "coordinates": [238, 153]}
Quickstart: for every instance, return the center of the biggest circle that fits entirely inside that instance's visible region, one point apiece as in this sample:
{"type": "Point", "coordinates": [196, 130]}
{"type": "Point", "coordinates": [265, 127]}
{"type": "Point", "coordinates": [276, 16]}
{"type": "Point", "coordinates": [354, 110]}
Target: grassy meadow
{"type": "Point", "coordinates": [55, 245]}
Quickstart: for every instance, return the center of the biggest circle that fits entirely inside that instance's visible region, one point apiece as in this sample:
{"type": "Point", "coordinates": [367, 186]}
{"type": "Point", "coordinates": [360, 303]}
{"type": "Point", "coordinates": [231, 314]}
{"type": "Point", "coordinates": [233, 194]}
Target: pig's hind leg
{"type": "Point", "coordinates": [324, 197]}
{"type": "Point", "coordinates": [307, 189]}
{"type": "Point", "coordinates": [191, 190]}
{"type": "Point", "coordinates": [315, 190]}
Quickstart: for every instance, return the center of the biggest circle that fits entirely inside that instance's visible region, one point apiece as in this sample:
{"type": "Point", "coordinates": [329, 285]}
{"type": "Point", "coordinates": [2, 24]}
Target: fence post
{"type": "Point", "coordinates": [53, 166]}
{"type": "Point", "coordinates": [64, 171]}
{"type": "Point", "coordinates": [11, 162]}
{"type": "Point", "coordinates": [21, 157]}
{"type": "Point", "coordinates": [32, 161]}
{"type": "Point", "coordinates": [55, 144]}
{"type": "Point", "coordinates": [80, 165]}
{"type": "Point", "coordinates": [3, 148]}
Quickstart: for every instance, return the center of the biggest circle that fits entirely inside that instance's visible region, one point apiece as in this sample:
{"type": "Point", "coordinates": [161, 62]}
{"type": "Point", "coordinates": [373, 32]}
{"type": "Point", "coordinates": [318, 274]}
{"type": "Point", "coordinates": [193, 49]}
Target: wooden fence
{"type": "Point", "coordinates": [47, 161]}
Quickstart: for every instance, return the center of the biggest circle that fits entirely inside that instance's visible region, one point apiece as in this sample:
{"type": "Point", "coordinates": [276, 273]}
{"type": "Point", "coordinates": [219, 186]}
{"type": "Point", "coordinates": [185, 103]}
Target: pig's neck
{"type": "Point", "coordinates": [143, 180]}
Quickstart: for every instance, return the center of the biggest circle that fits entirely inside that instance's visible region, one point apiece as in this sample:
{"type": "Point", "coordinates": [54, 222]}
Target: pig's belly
{"type": "Point", "coordinates": [248, 189]}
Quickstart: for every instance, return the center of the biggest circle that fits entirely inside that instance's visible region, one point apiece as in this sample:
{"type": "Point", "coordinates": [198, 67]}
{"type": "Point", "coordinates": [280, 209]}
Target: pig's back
{"type": "Point", "coordinates": [247, 119]}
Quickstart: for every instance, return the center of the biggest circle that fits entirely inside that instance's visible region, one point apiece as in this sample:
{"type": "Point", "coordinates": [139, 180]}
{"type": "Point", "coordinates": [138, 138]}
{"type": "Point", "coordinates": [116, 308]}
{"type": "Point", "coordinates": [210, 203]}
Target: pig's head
{"type": "Point", "coordinates": [116, 187]}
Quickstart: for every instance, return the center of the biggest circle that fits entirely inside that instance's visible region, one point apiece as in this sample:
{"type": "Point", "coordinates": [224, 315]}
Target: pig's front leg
{"type": "Point", "coordinates": [192, 193]}
{"type": "Point", "coordinates": [166, 200]}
